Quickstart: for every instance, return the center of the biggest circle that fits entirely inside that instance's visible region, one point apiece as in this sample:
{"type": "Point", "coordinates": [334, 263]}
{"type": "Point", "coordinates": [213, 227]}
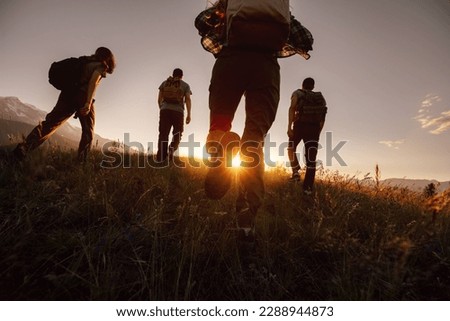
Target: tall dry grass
{"type": "Point", "coordinates": [82, 232]}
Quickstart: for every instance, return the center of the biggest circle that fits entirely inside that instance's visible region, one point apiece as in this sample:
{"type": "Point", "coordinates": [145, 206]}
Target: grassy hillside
{"type": "Point", "coordinates": [66, 137]}
{"type": "Point", "coordinates": [82, 232]}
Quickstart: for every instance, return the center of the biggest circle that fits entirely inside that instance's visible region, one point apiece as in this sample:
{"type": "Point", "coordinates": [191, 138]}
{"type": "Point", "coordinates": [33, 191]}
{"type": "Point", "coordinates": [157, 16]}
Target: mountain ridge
{"type": "Point", "coordinates": [416, 184]}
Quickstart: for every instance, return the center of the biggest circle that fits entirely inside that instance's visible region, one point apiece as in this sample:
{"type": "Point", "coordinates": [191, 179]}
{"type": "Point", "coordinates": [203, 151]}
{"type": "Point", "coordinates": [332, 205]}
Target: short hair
{"type": "Point", "coordinates": [177, 72]}
{"type": "Point", "coordinates": [106, 55]}
{"type": "Point", "coordinates": [308, 83]}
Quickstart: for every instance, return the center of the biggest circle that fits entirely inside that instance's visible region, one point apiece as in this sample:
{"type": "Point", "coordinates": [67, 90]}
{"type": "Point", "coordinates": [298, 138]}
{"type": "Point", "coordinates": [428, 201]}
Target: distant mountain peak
{"type": "Point", "coordinates": [416, 184]}
{"type": "Point", "coordinates": [13, 101]}
{"type": "Point", "coordinates": [12, 108]}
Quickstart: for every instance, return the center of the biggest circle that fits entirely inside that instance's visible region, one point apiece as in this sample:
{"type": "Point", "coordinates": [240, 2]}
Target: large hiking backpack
{"type": "Point", "coordinates": [172, 92]}
{"type": "Point", "coordinates": [215, 27]}
{"type": "Point", "coordinates": [66, 74]}
{"type": "Point", "coordinates": [262, 24]}
{"type": "Point", "coordinates": [311, 107]}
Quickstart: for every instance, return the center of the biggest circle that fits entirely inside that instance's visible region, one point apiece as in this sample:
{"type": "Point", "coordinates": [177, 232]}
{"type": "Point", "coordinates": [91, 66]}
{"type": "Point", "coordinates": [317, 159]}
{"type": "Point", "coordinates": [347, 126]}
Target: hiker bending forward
{"type": "Point", "coordinates": [174, 93]}
{"type": "Point", "coordinates": [78, 100]}
{"type": "Point", "coordinates": [306, 119]}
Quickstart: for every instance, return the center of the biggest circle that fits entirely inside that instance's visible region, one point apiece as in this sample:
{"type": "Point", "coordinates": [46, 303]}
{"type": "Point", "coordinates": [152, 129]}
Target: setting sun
{"type": "Point", "coordinates": [236, 163]}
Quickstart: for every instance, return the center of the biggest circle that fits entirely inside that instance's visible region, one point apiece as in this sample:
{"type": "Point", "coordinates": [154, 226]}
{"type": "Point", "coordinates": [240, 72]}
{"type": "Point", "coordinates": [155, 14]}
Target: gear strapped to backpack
{"type": "Point", "coordinates": [172, 92]}
{"type": "Point", "coordinates": [256, 24]}
{"type": "Point", "coordinates": [66, 74]}
{"type": "Point", "coordinates": [311, 107]}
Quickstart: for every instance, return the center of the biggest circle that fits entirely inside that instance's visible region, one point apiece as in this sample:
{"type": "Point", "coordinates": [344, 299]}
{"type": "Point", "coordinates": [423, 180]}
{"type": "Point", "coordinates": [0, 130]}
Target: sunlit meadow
{"type": "Point", "coordinates": [83, 232]}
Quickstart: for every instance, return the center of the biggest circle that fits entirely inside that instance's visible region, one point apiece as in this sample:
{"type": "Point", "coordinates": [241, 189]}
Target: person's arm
{"type": "Point", "coordinates": [160, 98]}
{"type": "Point", "coordinates": [92, 87]}
{"type": "Point", "coordinates": [291, 119]}
{"type": "Point", "coordinates": [322, 122]}
{"type": "Point", "coordinates": [187, 99]}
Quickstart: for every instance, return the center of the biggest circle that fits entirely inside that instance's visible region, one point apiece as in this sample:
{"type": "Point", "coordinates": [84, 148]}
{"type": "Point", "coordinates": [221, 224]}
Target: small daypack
{"type": "Point", "coordinates": [312, 107]}
{"type": "Point", "coordinates": [261, 24]}
{"type": "Point", "coordinates": [172, 92]}
{"type": "Point", "coordinates": [66, 74]}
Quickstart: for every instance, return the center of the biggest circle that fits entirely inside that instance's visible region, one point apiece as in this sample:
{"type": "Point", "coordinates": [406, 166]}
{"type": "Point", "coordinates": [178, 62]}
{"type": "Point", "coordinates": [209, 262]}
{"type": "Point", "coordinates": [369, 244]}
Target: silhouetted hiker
{"type": "Point", "coordinates": [174, 93]}
{"type": "Point", "coordinates": [306, 119]}
{"type": "Point", "coordinates": [78, 79]}
{"type": "Point", "coordinates": [246, 48]}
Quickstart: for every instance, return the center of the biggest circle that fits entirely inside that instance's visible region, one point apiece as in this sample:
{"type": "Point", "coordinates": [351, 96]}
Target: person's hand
{"type": "Point", "coordinates": [188, 119]}
{"type": "Point", "coordinates": [290, 132]}
{"type": "Point", "coordinates": [85, 110]}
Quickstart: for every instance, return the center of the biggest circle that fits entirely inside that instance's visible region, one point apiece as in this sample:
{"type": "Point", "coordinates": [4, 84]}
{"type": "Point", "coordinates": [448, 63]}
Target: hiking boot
{"type": "Point", "coordinates": [20, 152]}
{"type": "Point", "coordinates": [222, 146]}
{"type": "Point", "coordinates": [295, 177]}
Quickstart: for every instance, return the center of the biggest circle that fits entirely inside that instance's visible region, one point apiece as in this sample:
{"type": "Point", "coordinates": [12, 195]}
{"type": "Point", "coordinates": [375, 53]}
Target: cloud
{"type": "Point", "coordinates": [395, 144]}
{"type": "Point", "coordinates": [430, 100]}
{"type": "Point", "coordinates": [435, 123]}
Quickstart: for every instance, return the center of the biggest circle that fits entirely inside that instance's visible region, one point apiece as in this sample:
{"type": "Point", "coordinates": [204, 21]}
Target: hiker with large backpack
{"type": "Point", "coordinates": [306, 119]}
{"type": "Point", "coordinates": [246, 37]}
{"type": "Point", "coordinates": [78, 79]}
{"type": "Point", "coordinates": [173, 95]}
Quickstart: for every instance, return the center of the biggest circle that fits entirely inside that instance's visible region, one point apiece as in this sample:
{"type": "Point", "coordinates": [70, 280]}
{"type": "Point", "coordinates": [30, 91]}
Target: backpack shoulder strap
{"type": "Point", "coordinates": [168, 81]}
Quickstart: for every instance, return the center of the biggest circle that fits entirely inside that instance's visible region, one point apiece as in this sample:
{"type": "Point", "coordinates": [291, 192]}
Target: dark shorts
{"type": "Point", "coordinates": [254, 75]}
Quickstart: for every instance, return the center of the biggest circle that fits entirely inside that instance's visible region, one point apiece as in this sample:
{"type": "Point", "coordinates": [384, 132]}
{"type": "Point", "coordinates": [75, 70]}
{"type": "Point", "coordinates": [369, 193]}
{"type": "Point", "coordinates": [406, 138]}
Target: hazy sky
{"type": "Point", "coordinates": [382, 65]}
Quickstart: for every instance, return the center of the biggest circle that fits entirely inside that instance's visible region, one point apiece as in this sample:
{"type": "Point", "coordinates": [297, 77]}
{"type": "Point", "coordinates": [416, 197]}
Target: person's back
{"type": "Point", "coordinates": [311, 107]}
{"type": "Point", "coordinates": [306, 119]}
{"type": "Point", "coordinates": [174, 94]}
